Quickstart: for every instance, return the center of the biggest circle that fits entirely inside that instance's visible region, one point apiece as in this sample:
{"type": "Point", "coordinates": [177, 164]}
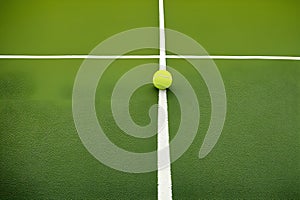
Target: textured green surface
{"type": "Point", "coordinates": [258, 154]}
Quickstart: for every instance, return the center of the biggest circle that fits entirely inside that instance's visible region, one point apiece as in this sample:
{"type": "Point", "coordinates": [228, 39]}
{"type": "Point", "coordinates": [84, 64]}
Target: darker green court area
{"type": "Point", "coordinates": [257, 155]}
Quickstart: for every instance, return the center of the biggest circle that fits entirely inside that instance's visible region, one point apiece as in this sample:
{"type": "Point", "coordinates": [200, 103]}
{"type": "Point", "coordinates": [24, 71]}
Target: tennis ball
{"type": "Point", "coordinates": [162, 79]}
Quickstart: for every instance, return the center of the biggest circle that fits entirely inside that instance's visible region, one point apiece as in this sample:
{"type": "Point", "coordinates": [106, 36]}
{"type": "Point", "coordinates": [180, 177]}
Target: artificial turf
{"type": "Point", "coordinates": [258, 154]}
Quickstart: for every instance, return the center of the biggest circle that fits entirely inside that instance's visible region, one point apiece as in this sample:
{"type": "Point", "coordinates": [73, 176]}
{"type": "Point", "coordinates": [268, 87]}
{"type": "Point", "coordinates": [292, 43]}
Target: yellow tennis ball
{"type": "Point", "coordinates": [162, 79]}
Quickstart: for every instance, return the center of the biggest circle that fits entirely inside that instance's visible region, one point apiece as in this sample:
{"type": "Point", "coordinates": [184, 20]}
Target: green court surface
{"type": "Point", "coordinates": [258, 153]}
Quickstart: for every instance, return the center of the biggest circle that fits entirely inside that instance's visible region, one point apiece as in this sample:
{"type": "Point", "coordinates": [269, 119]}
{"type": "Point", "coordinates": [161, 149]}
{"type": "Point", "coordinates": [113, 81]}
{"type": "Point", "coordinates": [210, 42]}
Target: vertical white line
{"type": "Point", "coordinates": [162, 37]}
{"type": "Point", "coordinates": [164, 171]}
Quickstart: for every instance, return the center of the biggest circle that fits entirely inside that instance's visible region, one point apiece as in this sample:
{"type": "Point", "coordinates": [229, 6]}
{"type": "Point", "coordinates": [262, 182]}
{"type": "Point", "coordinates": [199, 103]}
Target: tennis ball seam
{"type": "Point", "coordinates": [162, 79]}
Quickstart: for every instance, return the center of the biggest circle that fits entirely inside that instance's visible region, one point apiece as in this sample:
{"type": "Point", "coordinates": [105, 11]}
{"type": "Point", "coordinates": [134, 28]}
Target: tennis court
{"type": "Point", "coordinates": [258, 153]}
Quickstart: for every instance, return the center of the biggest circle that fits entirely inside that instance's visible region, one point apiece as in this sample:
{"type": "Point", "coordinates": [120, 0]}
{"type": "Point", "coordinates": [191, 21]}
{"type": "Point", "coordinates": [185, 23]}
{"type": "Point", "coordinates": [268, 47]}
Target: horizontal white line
{"type": "Point", "coordinates": [78, 57]}
{"type": "Point", "coordinates": [112, 57]}
{"type": "Point", "coordinates": [238, 57]}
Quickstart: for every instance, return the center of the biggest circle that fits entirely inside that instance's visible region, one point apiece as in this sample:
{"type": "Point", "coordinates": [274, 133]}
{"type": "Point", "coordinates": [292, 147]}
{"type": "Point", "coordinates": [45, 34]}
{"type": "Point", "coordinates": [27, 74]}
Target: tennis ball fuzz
{"type": "Point", "coordinates": [162, 79]}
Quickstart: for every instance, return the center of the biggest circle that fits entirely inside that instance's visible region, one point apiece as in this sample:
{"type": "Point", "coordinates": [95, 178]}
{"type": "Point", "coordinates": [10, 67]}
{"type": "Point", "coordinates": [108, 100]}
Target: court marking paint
{"type": "Point", "coordinates": [112, 57]}
{"type": "Point", "coordinates": [164, 180]}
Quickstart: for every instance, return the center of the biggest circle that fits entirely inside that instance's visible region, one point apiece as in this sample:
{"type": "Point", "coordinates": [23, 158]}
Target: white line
{"type": "Point", "coordinates": [162, 37]}
{"type": "Point", "coordinates": [223, 57]}
{"type": "Point", "coordinates": [164, 181]}
{"type": "Point", "coordinates": [112, 57]}
{"type": "Point", "coordinates": [109, 57]}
